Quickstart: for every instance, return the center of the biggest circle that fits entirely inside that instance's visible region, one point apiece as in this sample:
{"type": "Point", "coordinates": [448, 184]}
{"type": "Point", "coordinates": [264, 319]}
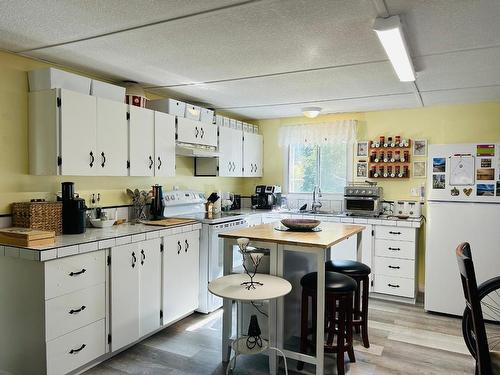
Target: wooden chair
{"type": "Point", "coordinates": [487, 363]}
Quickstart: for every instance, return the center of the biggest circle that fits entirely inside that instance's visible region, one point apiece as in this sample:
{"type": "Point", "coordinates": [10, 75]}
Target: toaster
{"type": "Point", "coordinates": [408, 208]}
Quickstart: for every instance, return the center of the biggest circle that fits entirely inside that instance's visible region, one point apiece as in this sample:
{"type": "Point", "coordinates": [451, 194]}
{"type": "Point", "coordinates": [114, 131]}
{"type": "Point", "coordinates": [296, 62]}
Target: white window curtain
{"type": "Point", "coordinates": [318, 133]}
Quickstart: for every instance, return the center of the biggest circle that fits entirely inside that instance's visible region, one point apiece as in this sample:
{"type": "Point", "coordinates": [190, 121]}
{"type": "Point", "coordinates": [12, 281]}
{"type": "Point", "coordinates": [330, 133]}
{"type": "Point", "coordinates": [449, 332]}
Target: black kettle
{"type": "Point", "coordinates": [157, 206]}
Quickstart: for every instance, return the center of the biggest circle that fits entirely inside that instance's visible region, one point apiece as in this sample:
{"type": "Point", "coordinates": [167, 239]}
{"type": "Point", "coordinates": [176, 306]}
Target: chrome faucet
{"type": "Point", "coordinates": [316, 204]}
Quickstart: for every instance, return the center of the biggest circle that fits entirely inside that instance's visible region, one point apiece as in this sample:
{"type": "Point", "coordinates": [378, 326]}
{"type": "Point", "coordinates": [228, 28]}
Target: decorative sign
{"type": "Point", "coordinates": [461, 170]}
{"type": "Point", "coordinates": [485, 150]}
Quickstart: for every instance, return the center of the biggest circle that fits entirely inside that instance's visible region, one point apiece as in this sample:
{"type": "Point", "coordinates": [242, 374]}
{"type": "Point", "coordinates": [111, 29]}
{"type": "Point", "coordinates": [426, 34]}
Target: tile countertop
{"type": "Point", "coordinates": [94, 239]}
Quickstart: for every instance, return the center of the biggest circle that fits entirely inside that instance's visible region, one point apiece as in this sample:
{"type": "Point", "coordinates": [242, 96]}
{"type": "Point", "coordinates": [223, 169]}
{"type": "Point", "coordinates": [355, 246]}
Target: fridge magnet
{"type": "Point", "coordinates": [362, 169]}
{"type": "Point", "coordinates": [487, 174]}
{"type": "Point", "coordinates": [498, 188]}
{"type": "Point", "coordinates": [485, 190]}
{"type": "Point", "coordinates": [439, 165]}
{"type": "Point", "coordinates": [438, 181]}
{"type": "Point", "coordinates": [420, 147]}
{"type": "Point", "coordinates": [454, 192]}
{"type": "Point", "coordinates": [362, 149]}
{"type": "Point", "coordinates": [485, 163]}
{"type": "Point", "coordinates": [485, 150]}
{"type": "Point", "coordinates": [461, 170]}
{"type": "Point", "coordinates": [419, 168]}
{"type": "Point", "coordinates": [467, 191]}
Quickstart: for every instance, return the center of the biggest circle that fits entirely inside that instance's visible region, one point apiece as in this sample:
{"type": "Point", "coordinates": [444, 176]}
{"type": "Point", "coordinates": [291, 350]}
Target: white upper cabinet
{"type": "Point", "coordinates": [164, 144]}
{"type": "Point", "coordinates": [231, 152]}
{"type": "Point", "coordinates": [196, 132]}
{"type": "Point", "coordinates": [252, 154]}
{"type": "Point", "coordinates": [141, 141]}
{"type": "Point", "coordinates": [112, 136]}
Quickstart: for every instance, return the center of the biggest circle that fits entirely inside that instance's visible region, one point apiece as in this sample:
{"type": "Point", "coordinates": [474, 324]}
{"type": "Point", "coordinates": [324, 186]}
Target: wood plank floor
{"type": "Point", "coordinates": [404, 340]}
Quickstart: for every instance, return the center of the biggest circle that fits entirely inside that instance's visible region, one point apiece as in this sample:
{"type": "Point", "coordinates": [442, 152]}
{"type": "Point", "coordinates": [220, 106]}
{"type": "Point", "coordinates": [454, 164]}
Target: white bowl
{"type": "Point", "coordinates": [98, 223]}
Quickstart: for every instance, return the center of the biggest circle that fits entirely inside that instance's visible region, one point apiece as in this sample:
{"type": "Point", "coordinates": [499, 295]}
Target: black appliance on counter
{"type": "Point", "coordinates": [157, 205]}
{"type": "Point", "coordinates": [236, 202]}
{"type": "Point", "coordinates": [73, 210]}
{"type": "Point", "coordinates": [266, 197]}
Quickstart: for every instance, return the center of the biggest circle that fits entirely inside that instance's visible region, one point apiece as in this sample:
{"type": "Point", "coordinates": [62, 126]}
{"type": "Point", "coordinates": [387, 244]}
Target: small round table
{"type": "Point", "coordinates": [230, 287]}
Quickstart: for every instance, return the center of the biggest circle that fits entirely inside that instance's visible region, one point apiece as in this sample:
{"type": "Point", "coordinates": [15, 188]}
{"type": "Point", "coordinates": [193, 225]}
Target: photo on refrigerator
{"type": "Point", "coordinates": [438, 181]}
{"type": "Point", "coordinates": [485, 190]}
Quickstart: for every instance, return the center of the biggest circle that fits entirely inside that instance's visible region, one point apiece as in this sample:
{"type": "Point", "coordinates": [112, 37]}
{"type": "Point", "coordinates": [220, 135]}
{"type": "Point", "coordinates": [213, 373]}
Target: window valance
{"type": "Point", "coordinates": [318, 133]}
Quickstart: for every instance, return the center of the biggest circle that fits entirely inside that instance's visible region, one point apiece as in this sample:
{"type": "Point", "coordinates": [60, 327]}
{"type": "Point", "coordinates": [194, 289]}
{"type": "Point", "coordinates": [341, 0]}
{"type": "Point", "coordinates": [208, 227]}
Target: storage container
{"type": "Point", "coordinates": [227, 122]}
{"type": "Point", "coordinates": [207, 115]}
{"type": "Point", "coordinates": [38, 215]}
{"type": "Point", "coordinates": [193, 112]}
{"type": "Point", "coordinates": [107, 91]}
{"type": "Point", "coordinates": [232, 123]}
{"type": "Point", "coordinates": [51, 78]}
{"type": "Point", "coordinates": [171, 106]}
{"type": "Point", "coordinates": [219, 120]}
{"type": "Point", "coordinates": [239, 125]}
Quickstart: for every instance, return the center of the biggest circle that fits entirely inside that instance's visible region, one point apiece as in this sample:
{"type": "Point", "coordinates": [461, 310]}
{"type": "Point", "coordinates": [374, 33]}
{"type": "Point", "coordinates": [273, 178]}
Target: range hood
{"type": "Point", "coordinates": [194, 151]}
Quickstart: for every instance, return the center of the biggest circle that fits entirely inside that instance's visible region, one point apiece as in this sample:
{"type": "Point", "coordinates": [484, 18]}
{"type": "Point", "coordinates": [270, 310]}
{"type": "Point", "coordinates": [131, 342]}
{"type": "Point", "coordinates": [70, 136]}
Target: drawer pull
{"type": "Point", "coordinates": [391, 232]}
{"type": "Point", "coordinates": [75, 351]}
{"type": "Point", "coordinates": [143, 257]}
{"type": "Point", "coordinates": [134, 259]}
{"type": "Point", "coordinates": [394, 267]}
{"type": "Point", "coordinates": [77, 310]}
{"type": "Point", "coordinates": [187, 246]}
{"type": "Point", "coordinates": [78, 273]}
{"type": "Point", "coordinates": [393, 286]}
{"type": "Point", "coordinates": [179, 247]}
{"type": "Point", "coordinates": [394, 248]}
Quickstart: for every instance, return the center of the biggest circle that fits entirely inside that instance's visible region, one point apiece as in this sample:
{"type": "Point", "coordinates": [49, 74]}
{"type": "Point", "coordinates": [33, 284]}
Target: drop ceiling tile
{"type": "Point", "coordinates": [34, 23]}
{"type": "Point", "coordinates": [458, 96]}
{"type": "Point", "coordinates": [338, 83]}
{"type": "Point", "coordinates": [459, 69]}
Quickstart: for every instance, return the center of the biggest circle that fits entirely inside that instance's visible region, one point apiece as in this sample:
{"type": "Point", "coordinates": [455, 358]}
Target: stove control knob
{"type": "Point", "coordinates": [172, 197]}
{"type": "Point", "coordinates": [363, 191]}
{"type": "Point", "coordinates": [357, 191]}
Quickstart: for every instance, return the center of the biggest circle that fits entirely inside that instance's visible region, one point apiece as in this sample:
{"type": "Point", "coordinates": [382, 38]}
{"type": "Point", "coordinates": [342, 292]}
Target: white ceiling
{"type": "Point", "coordinates": [269, 58]}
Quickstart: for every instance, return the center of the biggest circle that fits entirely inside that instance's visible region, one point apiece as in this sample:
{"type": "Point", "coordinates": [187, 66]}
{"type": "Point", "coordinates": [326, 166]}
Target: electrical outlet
{"type": "Point", "coordinates": [415, 191]}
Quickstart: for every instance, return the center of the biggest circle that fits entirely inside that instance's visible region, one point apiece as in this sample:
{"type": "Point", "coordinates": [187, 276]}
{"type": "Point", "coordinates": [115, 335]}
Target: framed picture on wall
{"type": "Point", "coordinates": [419, 169]}
{"type": "Point", "coordinates": [362, 169]}
{"type": "Point", "coordinates": [362, 149]}
{"type": "Point", "coordinates": [420, 147]}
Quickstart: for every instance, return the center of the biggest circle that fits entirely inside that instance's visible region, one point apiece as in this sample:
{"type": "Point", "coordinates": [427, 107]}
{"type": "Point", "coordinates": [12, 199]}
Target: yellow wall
{"type": "Point", "coordinates": [443, 124]}
{"type": "Point", "coordinates": [17, 185]}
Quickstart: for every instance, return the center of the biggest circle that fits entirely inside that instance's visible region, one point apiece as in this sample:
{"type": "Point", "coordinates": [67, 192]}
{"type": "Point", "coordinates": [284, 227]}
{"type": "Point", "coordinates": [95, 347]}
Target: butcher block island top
{"type": "Point", "coordinates": [331, 234]}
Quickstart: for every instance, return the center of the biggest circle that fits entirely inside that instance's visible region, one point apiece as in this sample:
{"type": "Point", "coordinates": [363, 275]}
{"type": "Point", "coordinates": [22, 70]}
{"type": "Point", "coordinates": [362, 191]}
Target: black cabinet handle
{"type": "Point", "coordinates": [103, 159]}
{"type": "Point", "coordinates": [391, 232]}
{"type": "Point", "coordinates": [179, 247]}
{"type": "Point", "coordinates": [78, 273]}
{"type": "Point", "coordinates": [134, 260]}
{"type": "Point", "coordinates": [75, 351]}
{"type": "Point", "coordinates": [394, 248]}
{"type": "Point", "coordinates": [143, 257]}
{"type": "Point", "coordinates": [202, 133]}
{"type": "Point", "coordinates": [77, 310]}
{"type": "Point", "coordinates": [151, 162]}
{"type": "Point", "coordinates": [92, 159]}
{"type": "Point", "coordinates": [159, 163]}
{"type": "Point", "coordinates": [196, 131]}
{"type": "Point", "coordinates": [393, 286]}
{"type": "Point", "coordinates": [187, 246]}
{"type": "Point", "coordinates": [394, 267]}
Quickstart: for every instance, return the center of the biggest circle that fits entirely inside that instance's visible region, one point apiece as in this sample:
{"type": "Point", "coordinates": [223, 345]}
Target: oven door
{"type": "Point", "coordinates": [361, 205]}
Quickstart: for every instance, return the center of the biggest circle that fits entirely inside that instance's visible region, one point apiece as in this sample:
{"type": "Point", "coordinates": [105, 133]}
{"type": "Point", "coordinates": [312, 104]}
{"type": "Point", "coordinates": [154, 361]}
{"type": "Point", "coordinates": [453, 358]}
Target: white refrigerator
{"type": "Point", "coordinates": [463, 205]}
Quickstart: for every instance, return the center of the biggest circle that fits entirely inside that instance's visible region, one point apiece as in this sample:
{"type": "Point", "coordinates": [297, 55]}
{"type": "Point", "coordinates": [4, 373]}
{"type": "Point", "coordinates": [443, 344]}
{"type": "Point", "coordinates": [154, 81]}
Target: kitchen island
{"type": "Point", "coordinates": [292, 255]}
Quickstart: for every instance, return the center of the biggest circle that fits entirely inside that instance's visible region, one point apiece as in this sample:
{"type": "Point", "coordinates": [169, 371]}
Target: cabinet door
{"type": "Point", "coordinates": [141, 141]}
{"type": "Point", "coordinates": [191, 269]}
{"type": "Point", "coordinates": [230, 148]}
{"type": "Point", "coordinates": [78, 134]}
{"type": "Point", "coordinates": [208, 134]}
{"type": "Point", "coordinates": [258, 155]}
{"type": "Point", "coordinates": [112, 138]}
{"type": "Point", "coordinates": [188, 131]}
{"type": "Point", "coordinates": [252, 155]}
{"type": "Point", "coordinates": [124, 295]}
{"type": "Point", "coordinates": [164, 139]}
{"type": "Point", "coordinates": [149, 285]}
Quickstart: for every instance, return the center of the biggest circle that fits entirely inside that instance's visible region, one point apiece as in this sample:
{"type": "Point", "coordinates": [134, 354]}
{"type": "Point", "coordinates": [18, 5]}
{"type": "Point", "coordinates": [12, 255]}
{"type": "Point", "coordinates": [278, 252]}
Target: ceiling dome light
{"type": "Point", "coordinates": [311, 112]}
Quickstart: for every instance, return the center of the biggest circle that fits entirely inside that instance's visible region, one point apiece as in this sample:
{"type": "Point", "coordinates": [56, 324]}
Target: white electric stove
{"type": "Point", "coordinates": [191, 205]}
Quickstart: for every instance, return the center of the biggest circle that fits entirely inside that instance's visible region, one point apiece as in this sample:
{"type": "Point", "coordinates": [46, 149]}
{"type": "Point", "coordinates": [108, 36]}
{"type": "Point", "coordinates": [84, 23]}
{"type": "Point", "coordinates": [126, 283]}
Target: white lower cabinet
{"type": "Point", "coordinates": [180, 275]}
{"type": "Point", "coordinates": [135, 291]}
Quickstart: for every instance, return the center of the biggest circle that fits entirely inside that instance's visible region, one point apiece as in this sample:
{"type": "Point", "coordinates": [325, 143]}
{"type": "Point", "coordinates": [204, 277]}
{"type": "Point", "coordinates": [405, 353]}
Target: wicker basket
{"type": "Point", "coordinates": [38, 215]}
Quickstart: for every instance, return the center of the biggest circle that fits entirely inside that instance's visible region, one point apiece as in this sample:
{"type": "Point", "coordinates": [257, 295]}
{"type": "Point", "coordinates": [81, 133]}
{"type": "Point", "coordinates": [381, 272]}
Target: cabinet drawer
{"type": "Point", "coordinates": [397, 286]}
{"type": "Point", "coordinates": [71, 311]}
{"type": "Point", "coordinates": [395, 267]}
{"type": "Point", "coordinates": [75, 349]}
{"type": "Point", "coordinates": [72, 273]}
{"type": "Point", "coordinates": [395, 233]}
{"type": "Point", "coordinates": [395, 249]}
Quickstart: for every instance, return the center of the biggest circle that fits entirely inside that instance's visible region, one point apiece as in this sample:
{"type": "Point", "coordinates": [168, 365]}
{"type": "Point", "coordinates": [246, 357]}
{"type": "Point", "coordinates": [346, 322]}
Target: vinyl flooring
{"type": "Point", "coordinates": [404, 340]}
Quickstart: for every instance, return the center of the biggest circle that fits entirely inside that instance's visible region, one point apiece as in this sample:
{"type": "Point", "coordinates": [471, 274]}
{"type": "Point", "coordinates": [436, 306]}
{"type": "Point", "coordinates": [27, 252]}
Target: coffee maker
{"type": "Point", "coordinates": [157, 205]}
{"type": "Point", "coordinates": [73, 210]}
{"type": "Point", "coordinates": [266, 197]}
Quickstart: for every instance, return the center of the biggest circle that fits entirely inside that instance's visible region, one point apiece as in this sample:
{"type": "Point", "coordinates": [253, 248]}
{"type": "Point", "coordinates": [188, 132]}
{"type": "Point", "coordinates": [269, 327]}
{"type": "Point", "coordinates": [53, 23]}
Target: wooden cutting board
{"type": "Point", "coordinates": [26, 237]}
{"type": "Point", "coordinates": [169, 222]}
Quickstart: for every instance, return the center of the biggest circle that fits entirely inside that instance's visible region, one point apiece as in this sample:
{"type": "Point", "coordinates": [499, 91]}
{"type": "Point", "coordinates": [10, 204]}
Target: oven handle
{"type": "Point", "coordinates": [351, 198]}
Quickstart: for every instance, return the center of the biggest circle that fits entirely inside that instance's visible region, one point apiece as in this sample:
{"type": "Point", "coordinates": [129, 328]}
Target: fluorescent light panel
{"type": "Point", "coordinates": [390, 33]}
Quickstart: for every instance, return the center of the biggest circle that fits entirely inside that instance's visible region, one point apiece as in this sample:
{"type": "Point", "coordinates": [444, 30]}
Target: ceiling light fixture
{"type": "Point", "coordinates": [311, 112]}
{"type": "Point", "coordinates": [390, 32]}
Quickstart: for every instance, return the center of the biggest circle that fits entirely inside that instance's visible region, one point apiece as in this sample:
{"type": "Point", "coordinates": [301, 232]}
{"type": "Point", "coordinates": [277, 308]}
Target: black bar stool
{"type": "Point", "coordinates": [361, 274]}
{"type": "Point", "coordinates": [339, 290]}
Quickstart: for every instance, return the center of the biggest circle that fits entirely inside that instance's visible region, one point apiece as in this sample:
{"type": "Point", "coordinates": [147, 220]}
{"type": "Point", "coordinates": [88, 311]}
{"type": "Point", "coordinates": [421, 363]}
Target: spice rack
{"type": "Point", "coordinates": [389, 158]}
